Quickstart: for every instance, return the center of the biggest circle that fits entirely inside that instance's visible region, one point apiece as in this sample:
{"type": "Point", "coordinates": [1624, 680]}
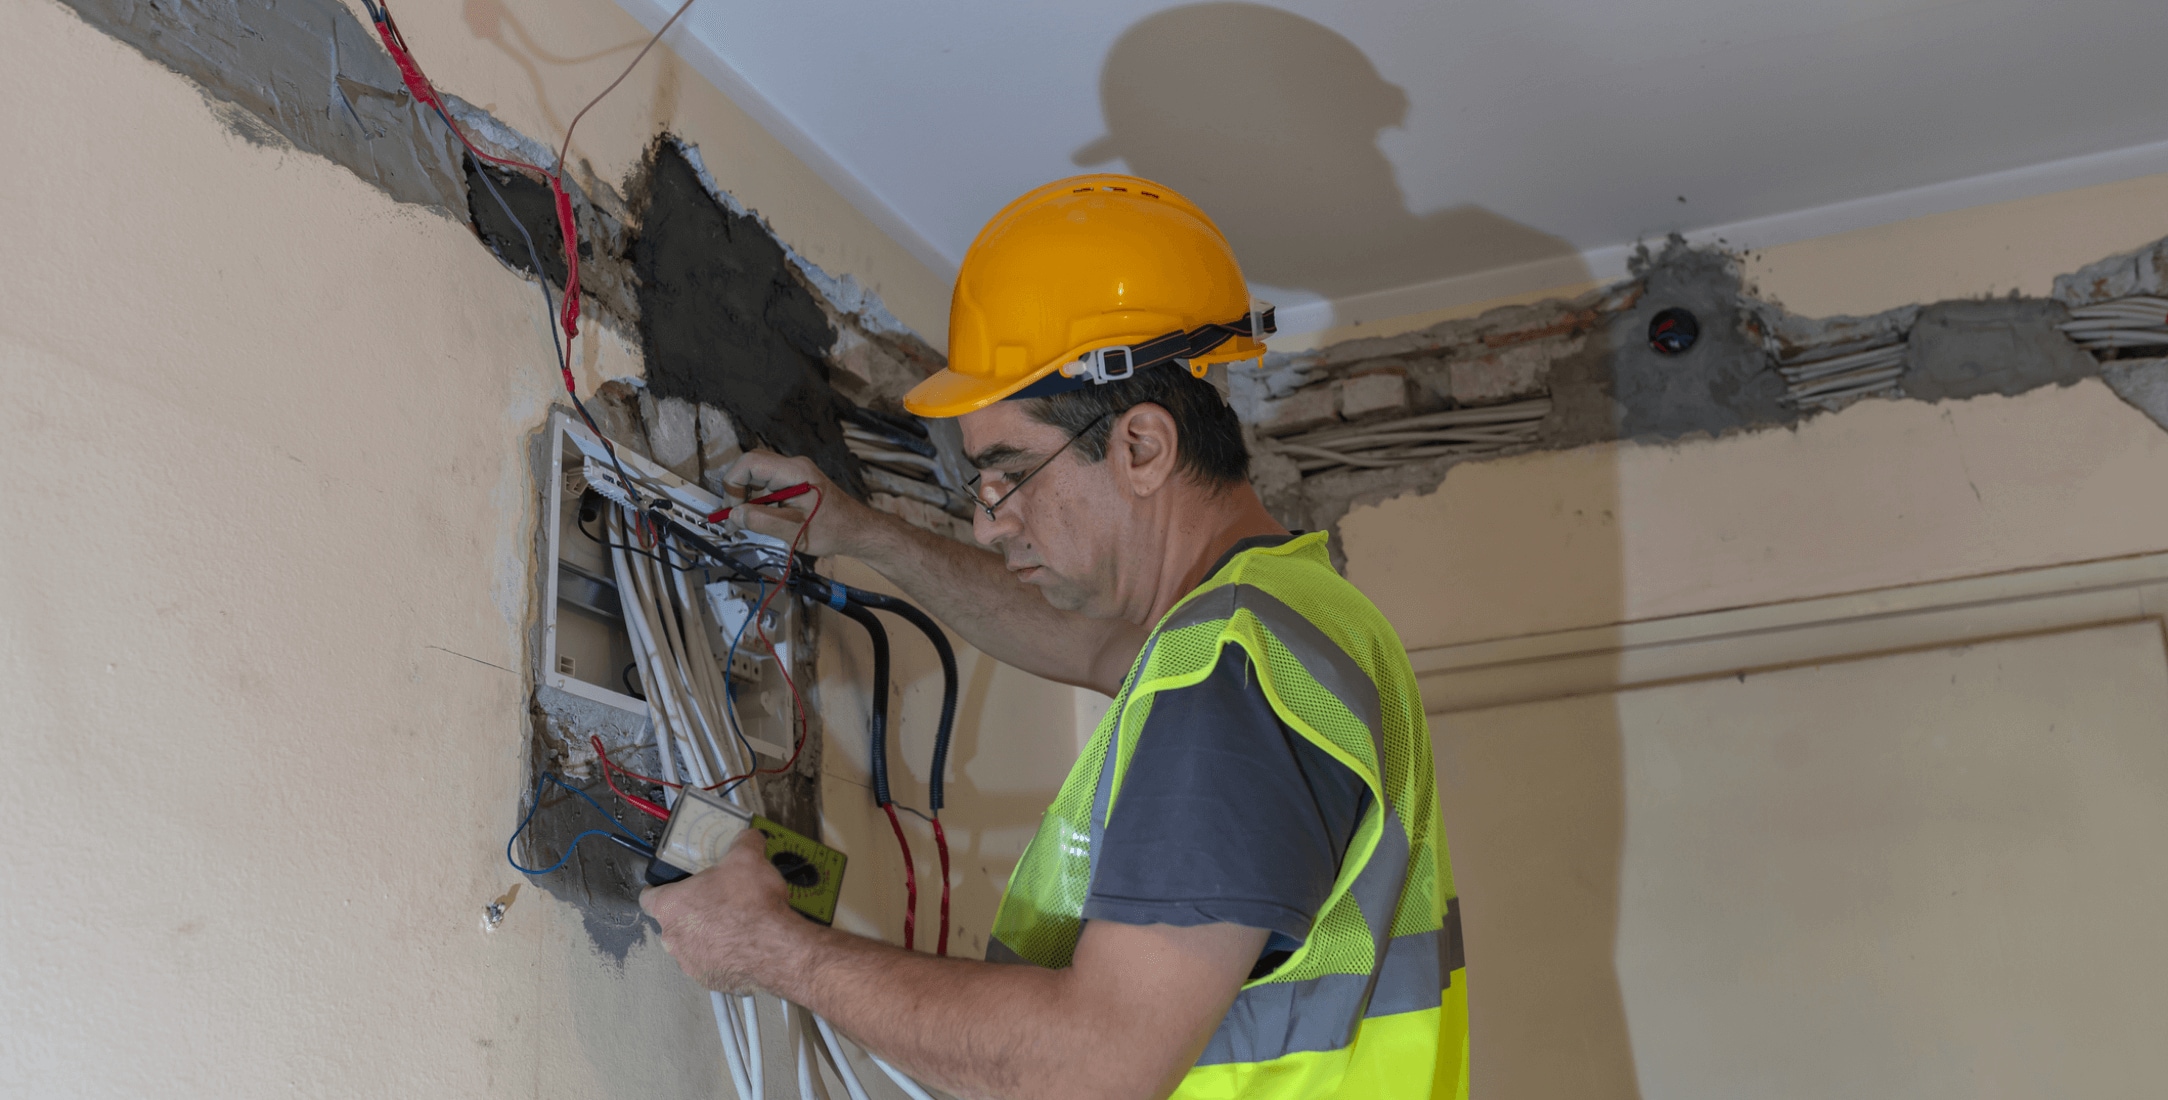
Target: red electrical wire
{"type": "Point", "coordinates": [635, 801]}
{"type": "Point", "coordinates": [790, 563]}
{"type": "Point", "coordinates": [568, 230]}
{"type": "Point", "coordinates": [910, 880]}
{"type": "Point", "coordinates": [940, 843]}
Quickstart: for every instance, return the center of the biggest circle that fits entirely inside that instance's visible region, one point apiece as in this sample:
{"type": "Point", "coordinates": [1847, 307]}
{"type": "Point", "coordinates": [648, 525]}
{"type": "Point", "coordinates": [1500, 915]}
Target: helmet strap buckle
{"type": "Point", "coordinates": [1103, 365]}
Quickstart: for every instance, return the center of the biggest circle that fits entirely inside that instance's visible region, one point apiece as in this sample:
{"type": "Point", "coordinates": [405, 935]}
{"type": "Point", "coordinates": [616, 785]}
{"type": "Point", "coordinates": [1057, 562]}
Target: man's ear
{"type": "Point", "coordinates": [1141, 446]}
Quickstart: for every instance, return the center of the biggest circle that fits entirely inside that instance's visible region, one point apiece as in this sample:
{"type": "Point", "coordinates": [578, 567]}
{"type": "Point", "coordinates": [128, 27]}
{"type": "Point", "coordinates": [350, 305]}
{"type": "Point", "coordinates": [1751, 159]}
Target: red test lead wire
{"type": "Point", "coordinates": [777, 497]}
{"type": "Point", "coordinates": [635, 801]}
{"type": "Point", "coordinates": [910, 880]}
{"type": "Point", "coordinates": [940, 843]}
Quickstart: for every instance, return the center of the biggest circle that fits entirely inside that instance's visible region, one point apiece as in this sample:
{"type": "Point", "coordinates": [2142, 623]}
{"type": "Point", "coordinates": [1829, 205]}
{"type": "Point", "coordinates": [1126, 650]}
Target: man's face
{"type": "Point", "coordinates": [1061, 530]}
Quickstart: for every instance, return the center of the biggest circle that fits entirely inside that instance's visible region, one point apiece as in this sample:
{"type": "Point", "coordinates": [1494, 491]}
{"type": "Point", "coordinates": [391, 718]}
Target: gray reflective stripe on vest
{"type": "Point", "coordinates": [1410, 979]}
{"type": "Point", "coordinates": [1274, 1019]}
{"type": "Point", "coordinates": [1321, 657]}
{"type": "Point", "coordinates": [1277, 1019]}
{"type": "Point", "coordinates": [1280, 1018]}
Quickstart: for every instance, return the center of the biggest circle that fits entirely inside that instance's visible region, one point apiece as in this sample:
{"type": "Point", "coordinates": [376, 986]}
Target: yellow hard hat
{"type": "Point", "coordinates": [1087, 280]}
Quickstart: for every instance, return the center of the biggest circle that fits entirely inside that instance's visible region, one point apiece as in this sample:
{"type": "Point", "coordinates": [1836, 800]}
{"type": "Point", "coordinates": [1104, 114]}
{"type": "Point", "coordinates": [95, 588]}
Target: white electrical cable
{"type": "Point", "coordinates": [732, 1052]}
{"type": "Point", "coordinates": [670, 646]}
{"type": "Point", "coordinates": [667, 669]}
{"type": "Point", "coordinates": [910, 1088]}
{"type": "Point", "coordinates": [729, 753]}
{"type": "Point", "coordinates": [752, 1043]}
{"type": "Point", "coordinates": [643, 649]}
{"type": "Point", "coordinates": [840, 1060]}
{"type": "Point", "coordinates": [692, 709]}
{"type": "Point", "coordinates": [803, 1038]}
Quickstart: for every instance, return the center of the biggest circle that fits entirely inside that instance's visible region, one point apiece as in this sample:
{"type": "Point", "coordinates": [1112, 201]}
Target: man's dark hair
{"type": "Point", "coordinates": [1208, 438]}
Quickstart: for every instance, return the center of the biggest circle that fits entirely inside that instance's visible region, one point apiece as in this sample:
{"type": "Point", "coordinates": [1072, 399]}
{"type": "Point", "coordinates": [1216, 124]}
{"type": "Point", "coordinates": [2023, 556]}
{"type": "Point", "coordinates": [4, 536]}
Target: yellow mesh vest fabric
{"type": "Point", "coordinates": [1403, 1054]}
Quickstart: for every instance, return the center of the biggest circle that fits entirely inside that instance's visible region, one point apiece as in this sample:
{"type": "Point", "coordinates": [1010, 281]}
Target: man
{"type": "Point", "coordinates": [1242, 889]}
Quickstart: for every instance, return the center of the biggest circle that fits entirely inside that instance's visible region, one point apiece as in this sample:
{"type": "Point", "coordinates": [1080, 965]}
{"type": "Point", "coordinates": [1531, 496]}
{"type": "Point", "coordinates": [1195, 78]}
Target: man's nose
{"type": "Point", "coordinates": [992, 531]}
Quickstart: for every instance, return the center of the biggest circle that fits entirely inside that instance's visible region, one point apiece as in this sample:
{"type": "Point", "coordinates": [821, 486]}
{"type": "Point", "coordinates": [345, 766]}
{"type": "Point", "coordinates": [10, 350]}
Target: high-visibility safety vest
{"type": "Point", "coordinates": [1374, 1001]}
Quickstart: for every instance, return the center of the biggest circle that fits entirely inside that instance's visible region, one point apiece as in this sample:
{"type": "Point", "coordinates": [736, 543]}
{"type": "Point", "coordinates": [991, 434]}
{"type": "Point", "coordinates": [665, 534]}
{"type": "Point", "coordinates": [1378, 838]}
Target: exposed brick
{"type": "Point", "coordinates": [718, 446]}
{"type": "Point", "coordinates": [1568, 325]}
{"type": "Point", "coordinates": [1519, 371]}
{"type": "Point", "coordinates": [1305, 408]}
{"type": "Point", "coordinates": [1376, 392]}
{"type": "Point", "coordinates": [673, 438]}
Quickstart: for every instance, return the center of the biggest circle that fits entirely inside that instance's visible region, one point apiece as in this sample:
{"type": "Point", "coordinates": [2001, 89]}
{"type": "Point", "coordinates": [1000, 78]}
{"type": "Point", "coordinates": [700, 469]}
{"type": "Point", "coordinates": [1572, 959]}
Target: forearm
{"type": "Point", "coordinates": [984, 1031]}
{"type": "Point", "coordinates": [972, 593]}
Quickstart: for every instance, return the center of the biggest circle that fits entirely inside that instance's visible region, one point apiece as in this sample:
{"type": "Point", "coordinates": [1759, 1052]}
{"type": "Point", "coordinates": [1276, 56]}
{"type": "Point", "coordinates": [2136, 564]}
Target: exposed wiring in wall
{"type": "Point", "coordinates": [2140, 322]}
{"type": "Point", "coordinates": [566, 315]}
{"type": "Point", "coordinates": [651, 809]}
{"type": "Point", "coordinates": [623, 836]}
{"type": "Point", "coordinates": [1828, 377]}
{"type": "Point", "coordinates": [1484, 430]}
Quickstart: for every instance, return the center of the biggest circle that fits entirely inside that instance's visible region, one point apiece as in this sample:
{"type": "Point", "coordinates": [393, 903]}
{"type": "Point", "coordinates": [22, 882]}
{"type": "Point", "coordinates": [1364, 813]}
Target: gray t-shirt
{"type": "Point", "coordinates": [1226, 814]}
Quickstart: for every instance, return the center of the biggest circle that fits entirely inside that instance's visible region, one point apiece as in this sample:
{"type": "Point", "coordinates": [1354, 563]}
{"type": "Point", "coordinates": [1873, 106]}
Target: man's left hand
{"type": "Point", "coordinates": [722, 923]}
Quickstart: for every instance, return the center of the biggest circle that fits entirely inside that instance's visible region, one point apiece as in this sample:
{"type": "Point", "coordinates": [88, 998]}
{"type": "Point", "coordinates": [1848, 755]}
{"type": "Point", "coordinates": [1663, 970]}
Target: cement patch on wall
{"type": "Point", "coordinates": [305, 72]}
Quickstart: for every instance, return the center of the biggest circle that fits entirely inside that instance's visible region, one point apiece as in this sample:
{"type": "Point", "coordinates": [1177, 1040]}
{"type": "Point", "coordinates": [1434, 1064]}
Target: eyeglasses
{"type": "Point", "coordinates": [979, 488]}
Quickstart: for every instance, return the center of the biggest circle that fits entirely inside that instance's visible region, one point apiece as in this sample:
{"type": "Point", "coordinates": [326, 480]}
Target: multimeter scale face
{"type": "Point", "coordinates": [702, 828]}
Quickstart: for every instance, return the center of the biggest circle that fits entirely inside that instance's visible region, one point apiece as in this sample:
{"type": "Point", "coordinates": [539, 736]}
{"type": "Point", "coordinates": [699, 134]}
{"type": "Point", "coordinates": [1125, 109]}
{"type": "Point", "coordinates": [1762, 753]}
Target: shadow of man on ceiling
{"type": "Point", "coordinates": [1270, 122]}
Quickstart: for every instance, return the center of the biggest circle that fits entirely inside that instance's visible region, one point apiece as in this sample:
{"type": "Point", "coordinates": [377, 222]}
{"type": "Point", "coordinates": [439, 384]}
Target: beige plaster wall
{"type": "Point", "coordinates": [1885, 493]}
{"type": "Point", "coordinates": [263, 612]}
{"type": "Point", "coordinates": [1747, 882]}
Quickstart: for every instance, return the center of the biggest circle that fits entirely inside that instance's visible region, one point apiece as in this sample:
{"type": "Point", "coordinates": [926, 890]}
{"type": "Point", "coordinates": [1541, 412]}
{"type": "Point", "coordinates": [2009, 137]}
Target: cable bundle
{"type": "Point", "coordinates": [2124, 323]}
{"type": "Point", "coordinates": [663, 619]}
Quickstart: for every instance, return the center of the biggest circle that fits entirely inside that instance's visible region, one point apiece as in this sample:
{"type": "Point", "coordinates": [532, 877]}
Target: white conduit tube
{"type": "Point", "coordinates": [668, 669]}
{"type": "Point", "coordinates": [728, 752]}
{"type": "Point", "coordinates": [733, 1052]}
{"type": "Point", "coordinates": [910, 1088]}
{"type": "Point", "coordinates": [636, 629]}
{"type": "Point", "coordinates": [674, 652]}
{"type": "Point", "coordinates": [752, 1043]}
{"type": "Point", "coordinates": [838, 1059]}
{"type": "Point", "coordinates": [653, 644]}
{"type": "Point", "coordinates": [802, 1038]}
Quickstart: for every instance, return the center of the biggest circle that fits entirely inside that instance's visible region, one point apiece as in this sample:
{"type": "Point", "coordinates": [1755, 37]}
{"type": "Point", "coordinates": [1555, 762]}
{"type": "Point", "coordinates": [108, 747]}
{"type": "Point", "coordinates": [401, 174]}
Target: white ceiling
{"type": "Point", "coordinates": [1380, 158]}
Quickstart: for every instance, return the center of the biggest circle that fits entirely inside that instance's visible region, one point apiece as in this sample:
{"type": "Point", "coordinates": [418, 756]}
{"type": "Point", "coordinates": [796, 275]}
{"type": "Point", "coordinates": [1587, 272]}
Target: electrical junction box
{"type": "Point", "coordinates": [587, 680]}
{"type": "Point", "coordinates": [702, 828]}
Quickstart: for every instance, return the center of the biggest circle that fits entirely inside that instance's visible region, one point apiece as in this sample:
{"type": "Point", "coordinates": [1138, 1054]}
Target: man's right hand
{"type": "Point", "coordinates": [843, 525]}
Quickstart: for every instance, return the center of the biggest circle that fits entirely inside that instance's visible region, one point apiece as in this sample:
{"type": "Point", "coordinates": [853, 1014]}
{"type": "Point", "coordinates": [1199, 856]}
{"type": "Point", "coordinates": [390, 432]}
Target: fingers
{"type": "Point", "coordinates": [752, 844]}
{"type": "Point", "coordinates": [756, 472]}
{"type": "Point", "coordinates": [652, 899]}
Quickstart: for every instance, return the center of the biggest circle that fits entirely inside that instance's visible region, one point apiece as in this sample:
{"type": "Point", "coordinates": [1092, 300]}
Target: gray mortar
{"type": "Point", "coordinates": [2143, 383]}
{"type": "Point", "coordinates": [305, 72]}
{"type": "Point", "coordinates": [2006, 346]}
{"type": "Point", "coordinates": [2141, 271]}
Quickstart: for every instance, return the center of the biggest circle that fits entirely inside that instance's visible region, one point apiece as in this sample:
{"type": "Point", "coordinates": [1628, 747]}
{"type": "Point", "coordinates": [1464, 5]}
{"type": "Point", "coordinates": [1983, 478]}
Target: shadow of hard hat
{"type": "Point", "coordinates": [1234, 75]}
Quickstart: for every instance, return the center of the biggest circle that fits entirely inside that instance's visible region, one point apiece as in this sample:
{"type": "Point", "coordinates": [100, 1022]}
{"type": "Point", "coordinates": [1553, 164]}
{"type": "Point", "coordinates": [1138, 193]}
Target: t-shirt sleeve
{"type": "Point", "coordinates": [1226, 815]}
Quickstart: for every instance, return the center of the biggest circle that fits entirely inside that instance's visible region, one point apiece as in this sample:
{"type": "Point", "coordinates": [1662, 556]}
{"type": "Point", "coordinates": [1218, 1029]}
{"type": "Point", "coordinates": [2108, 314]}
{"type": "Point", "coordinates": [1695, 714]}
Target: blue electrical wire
{"type": "Point", "coordinates": [551, 777]}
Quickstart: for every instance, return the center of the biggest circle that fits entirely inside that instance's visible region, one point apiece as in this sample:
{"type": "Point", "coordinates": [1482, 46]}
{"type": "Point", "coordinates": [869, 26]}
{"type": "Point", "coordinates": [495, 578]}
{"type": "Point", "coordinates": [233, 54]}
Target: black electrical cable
{"type": "Point", "coordinates": [606, 544]}
{"type": "Point", "coordinates": [549, 305]}
{"type": "Point", "coordinates": [877, 729]}
{"type": "Point", "coordinates": [934, 634]}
